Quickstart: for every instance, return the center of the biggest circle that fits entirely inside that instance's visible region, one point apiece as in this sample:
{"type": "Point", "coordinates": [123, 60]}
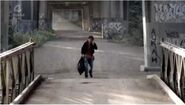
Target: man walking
{"type": "Point", "coordinates": [87, 52]}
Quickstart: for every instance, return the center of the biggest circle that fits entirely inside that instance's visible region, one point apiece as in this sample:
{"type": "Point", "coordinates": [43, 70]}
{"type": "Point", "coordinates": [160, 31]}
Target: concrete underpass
{"type": "Point", "coordinates": [117, 78]}
{"type": "Point", "coordinates": [131, 66]}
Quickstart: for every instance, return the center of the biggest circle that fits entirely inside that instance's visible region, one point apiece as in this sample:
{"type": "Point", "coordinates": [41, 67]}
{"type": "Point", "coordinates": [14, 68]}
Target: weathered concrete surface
{"type": "Point", "coordinates": [117, 79]}
{"type": "Point", "coordinates": [99, 91]}
{"type": "Point", "coordinates": [4, 12]}
{"type": "Point", "coordinates": [67, 19]}
{"type": "Point", "coordinates": [58, 58]}
{"type": "Point", "coordinates": [162, 24]}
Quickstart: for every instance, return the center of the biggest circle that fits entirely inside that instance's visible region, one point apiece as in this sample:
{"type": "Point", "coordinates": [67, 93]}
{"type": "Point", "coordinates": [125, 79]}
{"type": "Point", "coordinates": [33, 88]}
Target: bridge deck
{"type": "Point", "coordinates": [99, 91]}
{"type": "Point", "coordinates": [115, 81]}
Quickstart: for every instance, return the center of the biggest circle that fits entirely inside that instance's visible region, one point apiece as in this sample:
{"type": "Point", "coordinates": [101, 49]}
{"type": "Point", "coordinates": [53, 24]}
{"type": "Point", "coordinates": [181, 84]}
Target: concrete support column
{"type": "Point", "coordinates": [32, 7]}
{"type": "Point", "coordinates": [49, 16]}
{"type": "Point", "coordinates": [121, 9]}
{"type": "Point", "coordinates": [43, 15]}
{"type": "Point", "coordinates": [105, 9]}
{"type": "Point", "coordinates": [83, 26]}
{"type": "Point", "coordinates": [113, 9]}
{"type": "Point", "coordinates": [148, 66]}
{"type": "Point", "coordinates": [17, 14]}
{"type": "Point", "coordinates": [86, 18]}
{"type": "Point", "coordinates": [145, 35]}
{"type": "Point", "coordinates": [32, 15]}
{"type": "Point", "coordinates": [1, 25]}
{"type": "Point", "coordinates": [4, 25]}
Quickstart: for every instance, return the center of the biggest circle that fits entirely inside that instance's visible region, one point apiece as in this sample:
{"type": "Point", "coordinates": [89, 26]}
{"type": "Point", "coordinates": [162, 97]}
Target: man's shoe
{"type": "Point", "coordinates": [91, 75]}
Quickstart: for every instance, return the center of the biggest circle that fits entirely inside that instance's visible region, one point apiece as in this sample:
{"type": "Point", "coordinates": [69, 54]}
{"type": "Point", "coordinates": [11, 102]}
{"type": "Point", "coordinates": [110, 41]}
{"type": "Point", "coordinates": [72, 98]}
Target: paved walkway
{"type": "Point", "coordinates": [99, 91]}
{"type": "Point", "coordinates": [58, 58]}
{"type": "Point", "coordinates": [117, 79]}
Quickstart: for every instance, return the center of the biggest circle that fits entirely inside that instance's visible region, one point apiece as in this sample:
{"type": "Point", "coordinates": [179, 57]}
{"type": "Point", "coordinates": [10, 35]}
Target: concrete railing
{"type": "Point", "coordinates": [17, 71]}
{"type": "Point", "coordinates": [173, 68]}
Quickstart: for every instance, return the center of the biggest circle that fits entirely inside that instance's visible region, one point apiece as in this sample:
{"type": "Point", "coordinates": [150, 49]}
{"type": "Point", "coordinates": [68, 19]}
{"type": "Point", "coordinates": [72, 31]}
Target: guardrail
{"type": "Point", "coordinates": [17, 71]}
{"type": "Point", "coordinates": [173, 68]}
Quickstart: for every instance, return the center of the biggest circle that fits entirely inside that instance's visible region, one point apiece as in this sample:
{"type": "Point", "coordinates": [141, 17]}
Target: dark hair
{"type": "Point", "coordinates": [91, 37]}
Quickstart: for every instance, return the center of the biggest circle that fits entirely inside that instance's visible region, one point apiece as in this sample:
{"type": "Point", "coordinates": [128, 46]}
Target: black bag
{"type": "Point", "coordinates": [81, 66]}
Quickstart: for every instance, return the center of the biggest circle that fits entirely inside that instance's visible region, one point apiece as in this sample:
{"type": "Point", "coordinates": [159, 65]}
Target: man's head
{"type": "Point", "coordinates": [90, 38]}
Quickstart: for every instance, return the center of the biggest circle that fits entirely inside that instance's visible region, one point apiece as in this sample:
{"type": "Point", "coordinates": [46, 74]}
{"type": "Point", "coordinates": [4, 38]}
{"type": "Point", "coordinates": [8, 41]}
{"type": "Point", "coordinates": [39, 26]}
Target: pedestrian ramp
{"type": "Point", "coordinates": [148, 90]}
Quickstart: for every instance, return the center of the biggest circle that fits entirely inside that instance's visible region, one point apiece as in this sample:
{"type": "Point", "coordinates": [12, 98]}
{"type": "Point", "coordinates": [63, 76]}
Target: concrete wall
{"type": "Point", "coordinates": [4, 25]}
{"type": "Point", "coordinates": [165, 20]}
{"type": "Point", "coordinates": [17, 16]}
{"type": "Point", "coordinates": [108, 17]}
{"type": "Point", "coordinates": [115, 28]}
{"type": "Point", "coordinates": [24, 15]}
{"type": "Point", "coordinates": [67, 19]}
{"type": "Point", "coordinates": [64, 15]}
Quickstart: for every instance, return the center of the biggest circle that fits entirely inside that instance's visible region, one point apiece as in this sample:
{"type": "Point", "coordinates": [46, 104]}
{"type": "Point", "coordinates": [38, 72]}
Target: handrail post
{"type": "Point", "coordinates": [7, 82]}
{"type": "Point", "coordinates": [14, 71]}
{"type": "Point", "coordinates": [173, 68]}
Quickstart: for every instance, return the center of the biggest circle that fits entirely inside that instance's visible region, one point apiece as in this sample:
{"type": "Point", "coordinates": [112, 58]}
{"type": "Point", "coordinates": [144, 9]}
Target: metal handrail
{"type": "Point", "coordinates": [173, 68]}
{"type": "Point", "coordinates": [174, 48]}
{"type": "Point", "coordinates": [17, 70]}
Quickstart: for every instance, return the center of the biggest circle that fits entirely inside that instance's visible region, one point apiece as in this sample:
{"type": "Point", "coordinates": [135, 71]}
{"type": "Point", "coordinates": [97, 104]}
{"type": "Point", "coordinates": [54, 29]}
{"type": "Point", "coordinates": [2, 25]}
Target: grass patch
{"type": "Point", "coordinates": [129, 40]}
{"type": "Point", "coordinates": [37, 36]}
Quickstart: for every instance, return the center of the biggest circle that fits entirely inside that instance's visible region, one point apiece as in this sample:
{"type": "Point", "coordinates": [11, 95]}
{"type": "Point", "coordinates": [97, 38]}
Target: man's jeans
{"type": "Point", "coordinates": [89, 66]}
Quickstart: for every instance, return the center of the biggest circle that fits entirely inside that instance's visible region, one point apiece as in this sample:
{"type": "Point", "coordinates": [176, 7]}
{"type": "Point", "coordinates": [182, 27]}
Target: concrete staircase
{"type": "Point", "coordinates": [99, 91]}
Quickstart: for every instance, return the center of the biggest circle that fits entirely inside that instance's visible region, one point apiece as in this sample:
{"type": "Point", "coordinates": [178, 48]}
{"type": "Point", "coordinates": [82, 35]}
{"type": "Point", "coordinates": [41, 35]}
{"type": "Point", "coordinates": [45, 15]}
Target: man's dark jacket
{"type": "Point", "coordinates": [84, 49]}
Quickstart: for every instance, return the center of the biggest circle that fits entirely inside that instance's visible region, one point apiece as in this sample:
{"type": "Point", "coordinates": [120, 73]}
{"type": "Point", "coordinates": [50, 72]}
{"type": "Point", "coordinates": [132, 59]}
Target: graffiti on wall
{"type": "Point", "coordinates": [182, 43]}
{"type": "Point", "coordinates": [96, 25]}
{"type": "Point", "coordinates": [26, 25]}
{"type": "Point", "coordinates": [42, 22]}
{"type": "Point", "coordinates": [113, 30]}
{"type": "Point", "coordinates": [176, 38]}
{"type": "Point", "coordinates": [155, 57]}
{"type": "Point", "coordinates": [16, 17]}
{"type": "Point", "coordinates": [17, 22]}
{"type": "Point", "coordinates": [116, 26]}
{"type": "Point", "coordinates": [174, 12]}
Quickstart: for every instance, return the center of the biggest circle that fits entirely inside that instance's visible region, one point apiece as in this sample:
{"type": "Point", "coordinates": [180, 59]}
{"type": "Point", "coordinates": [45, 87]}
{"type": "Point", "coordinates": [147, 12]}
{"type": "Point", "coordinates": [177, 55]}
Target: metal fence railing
{"type": "Point", "coordinates": [173, 68]}
{"type": "Point", "coordinates": [17, 70]}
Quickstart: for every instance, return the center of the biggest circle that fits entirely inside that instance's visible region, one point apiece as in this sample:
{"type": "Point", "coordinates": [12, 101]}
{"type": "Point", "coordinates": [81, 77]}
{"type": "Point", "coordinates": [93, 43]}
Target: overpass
{"type": "Point", "coordinates": [48, 75]}
{"type": "Point", "coordinates": [118, 66]}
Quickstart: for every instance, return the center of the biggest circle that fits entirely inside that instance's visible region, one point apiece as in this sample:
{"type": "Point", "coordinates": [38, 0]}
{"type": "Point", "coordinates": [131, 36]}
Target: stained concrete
{"type": "Point", "coordinates": [58, 58]}
{"type": "Point", "coordinates": [66, 19]}
{"type": "Point", "coordinates": [99, 91]}
{"type": "Point", "coordinates": [117, 78]}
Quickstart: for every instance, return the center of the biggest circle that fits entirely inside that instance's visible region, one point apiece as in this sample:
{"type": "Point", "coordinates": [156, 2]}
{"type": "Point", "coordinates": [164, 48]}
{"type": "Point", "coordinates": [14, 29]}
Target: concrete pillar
{"type": "Point", "coordinates": [4, 25]}
{"type": "Point", "coordinates": [148, 66]}
{"type": "Point", "coordinates": [32, 7]}
{"type": "Point", "coordinates": [105, 9]}
{"type": "Point", "coordinates": [49, 16]}
{"type": "Point", "coordinates": [113, 9]}
{"type": "Point", "coordinates": [95, 9]}
{"type": "Point", "coordinates": [83, 26]}
{"type": "Point", "coordinates": [1, 24]}
{"type": "Point", "coordinates": [126, 7]}
{"type": "Point", "coordinates": [43, 15]}
{"type": "Point", "coordinates": [144, 35]}
{"type": "Point", "coordinates": [86, 18]}
{"type": "Point", "coordinates": [121, 9]}
{"type": "Point", "coordinates": [17, 14]}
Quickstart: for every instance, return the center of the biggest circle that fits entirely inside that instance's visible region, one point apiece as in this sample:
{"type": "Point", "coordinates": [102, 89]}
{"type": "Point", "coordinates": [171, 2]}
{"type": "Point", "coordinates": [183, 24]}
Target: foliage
{"type": "Point", "coordinates": [38, 36]}
{"type": "Point", "coordinates": [135, 23]}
